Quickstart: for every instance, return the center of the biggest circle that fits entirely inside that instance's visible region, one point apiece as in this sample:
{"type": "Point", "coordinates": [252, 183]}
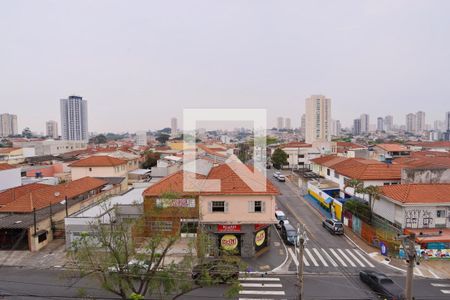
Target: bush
{"type": "Point", "coordinates": [358, 208]}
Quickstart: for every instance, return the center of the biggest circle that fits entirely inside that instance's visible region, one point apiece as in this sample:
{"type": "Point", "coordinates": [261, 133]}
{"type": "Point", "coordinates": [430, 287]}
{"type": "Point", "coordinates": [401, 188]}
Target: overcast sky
{"type": "Point", "coordinates": [139, 63]}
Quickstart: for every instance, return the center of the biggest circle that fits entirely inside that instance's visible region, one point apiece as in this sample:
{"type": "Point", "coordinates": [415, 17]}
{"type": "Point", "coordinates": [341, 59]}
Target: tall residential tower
{"type": "Point", "coordinates": [74, 119]}
{"type": "Point", "coordinates": [318, 118]}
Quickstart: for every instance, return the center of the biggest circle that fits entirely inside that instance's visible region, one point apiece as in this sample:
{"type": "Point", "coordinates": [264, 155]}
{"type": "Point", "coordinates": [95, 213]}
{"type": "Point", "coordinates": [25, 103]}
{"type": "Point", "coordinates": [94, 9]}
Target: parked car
{"type": "Point", "coordinates": [268, 166]}
{"type": "Point", "coordinates": [382, 285]}
{"type": "Point", "coordinates": [218, 270]}
{"type": "Point", "coordinates": [281, 178]}
{"type": "Point", "coordinates": [289, 234]}
{"type": "Point", "coordinates": [281, 218]}
{"type": "Point", "coordinates": [276, 174]}
{"type": "Point", "coordinates": [334, 226]}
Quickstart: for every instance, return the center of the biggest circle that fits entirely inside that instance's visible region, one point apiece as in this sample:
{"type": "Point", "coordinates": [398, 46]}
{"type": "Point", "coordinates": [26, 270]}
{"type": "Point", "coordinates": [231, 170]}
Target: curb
{"type": "Point", "coordinates": [285, 250]}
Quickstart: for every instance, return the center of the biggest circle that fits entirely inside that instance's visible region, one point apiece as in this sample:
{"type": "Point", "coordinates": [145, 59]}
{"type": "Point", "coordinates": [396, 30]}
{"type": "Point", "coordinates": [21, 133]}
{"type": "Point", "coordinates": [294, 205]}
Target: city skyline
{"type": "Point", "coordinates": [237, 56]}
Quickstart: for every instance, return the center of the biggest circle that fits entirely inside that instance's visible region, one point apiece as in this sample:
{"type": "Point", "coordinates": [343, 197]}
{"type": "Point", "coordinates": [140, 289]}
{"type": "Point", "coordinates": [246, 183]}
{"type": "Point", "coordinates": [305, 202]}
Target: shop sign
{"type": "Point", "coordinates": [229, 242]}
{"type": "Point", "coordinates": [260, 237]}
{"type": "Point", "coordinates": [228, 228]}
{"type": "Point", "coordinates": [180, 202]}
{"type": "Point", "coordinates": [259, 226]}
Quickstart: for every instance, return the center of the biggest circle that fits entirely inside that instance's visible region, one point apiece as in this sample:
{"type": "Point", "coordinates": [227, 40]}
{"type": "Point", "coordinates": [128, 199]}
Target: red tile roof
{"type": "Point", "coordinates": [418, 193]}
{"type": "Point", "coordinates": [392, 147]}
{"type": "Point", "coordinates": [11, 194]}
{"type": "Point", "coordinates": [424, 162]}
{"type": "Point", "coordinates": [230, 183]}
{"type": "Point", "coordinates": [98, 161]}
{"type": "Point", "coordinates": [437, 144]}
{"type": "Point", "coordinates": [42, 197]}
{"type": "Point", "coordinates": [4, 167]}
{"type": "Point", "coordinates": [210, 151]}
{"type": "Point", "coordinates": [8, 150]}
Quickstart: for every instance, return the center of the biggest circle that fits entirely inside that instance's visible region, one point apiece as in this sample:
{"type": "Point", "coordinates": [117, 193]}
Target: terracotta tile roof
{"type": "Point", "coordinates": [210, 151]}
{"type": "Point", "coordinates": [4, 167]}
{"type": "Point", "coordinates": [323, 159]}
{"type": "Point", "coordinates": [11, 194]}
{"type": "Point", "coordinates": [392, 147]}
{"type": "Point", "coordinates": [367, 169]}
{"type": "Point", "coordinates": [295, 145]}
{"type": "Point", "coordinates": [437, 144]}
{"type": "Point", "coordinates": [98, 161]}
{"type": "Point", "coordinates": [349, 145]}
{"type": "Point", "coordinates": [230, 183]}
{"type": "Point", "coordinates": [8, 150]}
{"type": "Point", "coordinates": [424, 162]}
{"type": "Point", "coordinates": [418, 193]}
{"type": "Point", "coordinates": [42, 197]}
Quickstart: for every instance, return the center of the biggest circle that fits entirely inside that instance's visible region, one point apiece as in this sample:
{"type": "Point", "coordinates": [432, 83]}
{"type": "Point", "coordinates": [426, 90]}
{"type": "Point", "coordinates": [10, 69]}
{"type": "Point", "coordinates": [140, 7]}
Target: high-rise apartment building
{"type": "Point", "coordinates": [8, 125]}
{"type": "Point", "coordinates": [303, 125]}
{"type": "Point", "coordinates": [447, 121]}
{"type": "Point", "coordinates": [141, 138]}
{"type": "Point", "coordinates": [420, 119]}
{"type": "Point", "coordinates": [388, 123]}
{"type": "Point", "coordinates": [318, 118]}
{"type": "Point", "coordinates": [287, 123]}
{"type": "Point", "coordinates": [74, 119]}
{"type": "Point", "coordinates": [365, 123]}
{"type": "Point", "coordinates": [280, 123]}
{"type": "Point", "coordinates": [438, 125]}
{"type": "Point", "coordinates": [380, 124]}
{"type": "Point", "coordinates": [357, 127]}
{"type": "Point", "coordinates": [174, 126]}
{"type": "Point", "coordinates": [411, 123]}
{"type": "Point", "coordinates": [335, 127]}
{"type": "Point", "coordinates": [51, 129]}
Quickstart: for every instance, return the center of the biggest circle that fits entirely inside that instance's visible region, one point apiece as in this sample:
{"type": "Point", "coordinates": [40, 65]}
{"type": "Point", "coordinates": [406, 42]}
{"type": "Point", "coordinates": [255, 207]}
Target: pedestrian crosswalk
{"type": "Point", "coordinates": [261, 288]}
{"type": "Point", "coordinates": [320, 257]}
{"type": "Point", "coordinates": [444, 287]}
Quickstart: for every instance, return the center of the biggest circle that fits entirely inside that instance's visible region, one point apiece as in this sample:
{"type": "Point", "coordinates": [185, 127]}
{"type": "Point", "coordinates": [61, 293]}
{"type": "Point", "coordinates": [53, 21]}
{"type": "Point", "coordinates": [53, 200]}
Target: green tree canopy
{"type": "Point", "coordinates": [279, 158]}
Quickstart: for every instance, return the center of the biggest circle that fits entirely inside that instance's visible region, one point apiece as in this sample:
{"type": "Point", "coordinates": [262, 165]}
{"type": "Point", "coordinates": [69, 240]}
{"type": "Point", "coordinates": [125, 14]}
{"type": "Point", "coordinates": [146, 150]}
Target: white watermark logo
{"type": "Point", "coordinates": [196, 170]}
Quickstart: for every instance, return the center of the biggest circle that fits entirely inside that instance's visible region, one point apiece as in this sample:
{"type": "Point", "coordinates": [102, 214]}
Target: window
{"type": "Point", "coordinates": [161, 225]}
{"type": "Point", "coordinates": [440, 213]}
{"type": "Point", "coordinates": [218, 206]}
{"type": "Point", "coordinates": [328, 172]}
{"type": "Point", "coordinates": [90, 169]}
{"type": "Point", "coordinates": [336, 175]}
{"type": "Point", "coordinates": [256, 206]}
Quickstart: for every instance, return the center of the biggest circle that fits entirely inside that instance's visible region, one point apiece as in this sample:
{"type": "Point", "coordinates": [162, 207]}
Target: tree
{"type": "Point", "coordinates": [99, 139]}
{"type": "Point", "coordinates": [279, 158]}
{"type": "Point", "coordinates": [374, 194]}
{"type": "Point", "coordinates": [358, 186]}
{"type": "Point", "coordinates": [26, 132]}
{"type": "Point", "coordinates": [151, 159]}
{"type": "Point", "coordinates": [162, 138]}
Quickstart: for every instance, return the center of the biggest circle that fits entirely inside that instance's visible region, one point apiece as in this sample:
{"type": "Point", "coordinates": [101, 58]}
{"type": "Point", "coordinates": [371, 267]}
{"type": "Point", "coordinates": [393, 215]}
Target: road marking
{"type": "Point", "coordinates": [338, 257]}
{"type": "Point", "coordinates": [440, 284]}
{"type": "Point", "coordinates": [329, 258]}
{"type": "Point", "coordinates": [354, 257]}
{"type": "Point", "coordinates": [262, 285]}
{"type": "Point", "coordinates": [320, 257]}
{"type": "Point", "coordinates": [250, 292]}
{"type": "Point", "coordinates": [434, 274]}
{"type": "Point", "coordinates": [365, 259]}
{"type": "Point", "coordinates": [259, 279]}
{"type": "Point", "coordinates": [445, 291]}
{"type": "Point", "coordinates": [305, 261]}
{"type": "Point", "coordinates": [346, 257]}
{"type": "Point", "coordinates": [311, 257]}
{"type": "Point", "coordinates": [294, 258]}
{"type": "Point", "coordinates": [418, 272]}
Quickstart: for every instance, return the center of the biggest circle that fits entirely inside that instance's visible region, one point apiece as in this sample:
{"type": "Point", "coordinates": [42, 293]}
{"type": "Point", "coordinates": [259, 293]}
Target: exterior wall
{"type": "Point", "coordinates": [321, 196]}
{"type": "Point", "coordinates": [299, 157]}
{"type": "Point", "coordinates": [238, 210]}
{"type": "Point", "coordinates": [46, 171]}
{"type": "Point", "coordinates": [13, 157]}
{"type": "Point", "coordinates": [80, 172]}
{"type": "Point", "coordinates": [10, 178]}
{"type": "Point", "coordinates": [426, 176]}
{"type": "Point", "coordinates": [51, 147]}
{"type": "Point", "coordinates": [386, 209]}
{"type": "Point", "coordinates": [425, 217]}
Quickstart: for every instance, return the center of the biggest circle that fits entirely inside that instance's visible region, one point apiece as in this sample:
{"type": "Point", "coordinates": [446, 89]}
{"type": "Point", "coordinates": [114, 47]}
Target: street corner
{"type": "Point", "coordinates": [271, 258]}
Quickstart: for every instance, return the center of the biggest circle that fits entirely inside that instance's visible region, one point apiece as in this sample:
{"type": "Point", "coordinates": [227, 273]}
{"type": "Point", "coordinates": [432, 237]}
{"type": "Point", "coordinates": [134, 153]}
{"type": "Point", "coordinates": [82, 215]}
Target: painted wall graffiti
{"type": "Point", "coordinates": [419, 218]}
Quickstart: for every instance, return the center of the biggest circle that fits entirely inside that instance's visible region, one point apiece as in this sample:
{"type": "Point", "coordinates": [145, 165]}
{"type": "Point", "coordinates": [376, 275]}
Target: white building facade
{"type": "Point", "coordinates": [318, 119]}
{"type": "Point", "coordinates": [74, 119]}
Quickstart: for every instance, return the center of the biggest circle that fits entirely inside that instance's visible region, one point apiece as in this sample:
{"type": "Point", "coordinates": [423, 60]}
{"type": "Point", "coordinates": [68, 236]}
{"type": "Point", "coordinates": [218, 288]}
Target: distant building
{"type": "Point", "coordinates": [303, 125]}
{"type": "Point", "coordinates": [141, 138]}
{"type": "Point", "coordinates": [335, 127]}
{"type": "Point", "coordinates": [447, 121]}
{"type": "Point", "coordinates": [287, 123]}
{"type": "Point", "coordinates": [357, 127]}
{"type": "Point", "coordinates": [174, 126]}
{"type": "Point", "coordinates": [51, 129]}
{"type": "Point", "coordinates": [318, 119]}
{"type": "Point", "coordinates": [8, 125]}
{"type": "Point", "coordinates": [388, 123]}
{"type": "Point", "coordinates": [438, 125]}
{"type": "Point", "coordinates": [380, 124]}
{"type": "Point", "coordinates": [280, 123]}
{"type": "Point", "coordinates": [74, 119]}
{"type": "Point", "coordinates": [365, 123]}
{"type": "Point", "coordinates": [420, 119]}
{"type": "Point", "coordinates": [411, 123]}
{"type": "Point", "coordinates": [51, 147]}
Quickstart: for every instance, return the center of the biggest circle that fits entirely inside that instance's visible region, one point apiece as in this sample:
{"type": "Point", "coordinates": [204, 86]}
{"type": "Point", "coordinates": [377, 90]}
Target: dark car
{"type": "Point", "coordinates": [218, 270]}
{"type": "Point", "coordinates": [382, 285]}
{"type": "Point", "coordinates": [289, 234]}
{"type": "Point", "coordinates": [334, 226]}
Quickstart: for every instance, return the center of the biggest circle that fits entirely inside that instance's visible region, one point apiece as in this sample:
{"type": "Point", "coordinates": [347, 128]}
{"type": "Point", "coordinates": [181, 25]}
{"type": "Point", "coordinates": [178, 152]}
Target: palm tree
{"type": "Point", "coordinates": [357, 186]}
{"type": "Point", "coordinates": [374, 194]}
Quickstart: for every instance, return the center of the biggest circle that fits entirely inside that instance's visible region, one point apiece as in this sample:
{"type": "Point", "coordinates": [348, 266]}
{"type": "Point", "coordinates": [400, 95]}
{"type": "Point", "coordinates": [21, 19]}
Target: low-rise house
{"type": "Point", "coordinates": [32, 215]}
{"type": "Point", "coordinates": [420, 208]}
{"type": "Point", "coordinates": [9, 176]}
{"type": "Point", "coordinates": [236, 214]}
{"type": "Point", "coordinates": [350, 150]}
{"type": "Point", "coordinates": [11, 155]}
{"type": "Point", "coordinates": [51, 147]}
{"type": "Point", "coordinates": [100, 166]}
{"type": "Point", "coordinates": [132, 160]}
{"type": "Point", "coordinates": [299, 154]}
{"type": "Point", "coordinates": [389, 151]}
{"type": "Point", "coordinates": [441, 146]}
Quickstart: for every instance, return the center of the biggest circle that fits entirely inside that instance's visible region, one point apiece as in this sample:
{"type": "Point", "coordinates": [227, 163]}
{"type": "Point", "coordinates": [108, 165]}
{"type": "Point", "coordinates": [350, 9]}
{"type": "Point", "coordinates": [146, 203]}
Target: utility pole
{"type": "Point", "coordinates": [408, 242]}
{"type": "Point", "coordinates": [301, 242]}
